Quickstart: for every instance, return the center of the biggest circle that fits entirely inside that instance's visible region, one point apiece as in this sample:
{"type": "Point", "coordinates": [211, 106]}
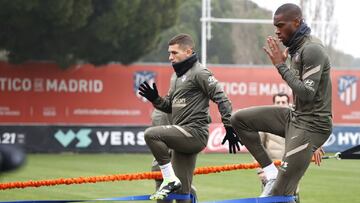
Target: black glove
{"type": "Point", "coordinates": [233, 140]}
{"type": "Point", "coordinates": [149, 93]}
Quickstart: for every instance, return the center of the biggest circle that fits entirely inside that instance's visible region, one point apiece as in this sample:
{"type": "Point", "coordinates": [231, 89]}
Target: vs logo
{"type": "Point", "coordinates": [140, 77]}
{"type": "Point", "coordinates": [66, 138]}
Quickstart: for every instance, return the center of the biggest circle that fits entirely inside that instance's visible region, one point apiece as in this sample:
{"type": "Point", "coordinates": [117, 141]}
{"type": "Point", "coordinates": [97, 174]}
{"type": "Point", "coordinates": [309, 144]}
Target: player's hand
{"type": "Point", "coordinates": [233, 140]}
{"type": "Point", "coordinates": [317, 156]}
{"type": "Point", "coordinates": [276, 55]}
{"type": "Point", "coordinates": [149, 93]}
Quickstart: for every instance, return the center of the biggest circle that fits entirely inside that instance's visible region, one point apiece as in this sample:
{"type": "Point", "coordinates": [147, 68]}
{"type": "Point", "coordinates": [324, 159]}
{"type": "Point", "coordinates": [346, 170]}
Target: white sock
{"type": "Point", "coordinates": [167, 171]}
{"type": "Point", "coordinates": [270, 171]}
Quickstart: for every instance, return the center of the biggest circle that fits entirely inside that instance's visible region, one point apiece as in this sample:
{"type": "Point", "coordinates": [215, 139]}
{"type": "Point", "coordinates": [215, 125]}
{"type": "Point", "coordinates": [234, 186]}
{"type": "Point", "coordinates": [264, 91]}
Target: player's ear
{"type": "Point", "coordinates": [189, 51]}
{"type": "Point", "coordinates": [297, 22]}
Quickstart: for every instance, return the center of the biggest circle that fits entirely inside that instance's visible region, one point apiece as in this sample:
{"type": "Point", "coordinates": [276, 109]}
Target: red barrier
{"type": "Point", "coordinates": [125, 177]}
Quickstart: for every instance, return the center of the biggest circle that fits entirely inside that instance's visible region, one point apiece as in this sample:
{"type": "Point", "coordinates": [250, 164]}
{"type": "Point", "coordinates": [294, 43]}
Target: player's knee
{"type": "Point", "coordinates": [233, 120]}
{"type": "Point", "coordinates": [237, 123]}
{"type": "Point", "coordinates": [149, 134]}
{"type": "Point", "coordinates": [237, 119]}
{"type": "Point", "coordinates": [11, 157]}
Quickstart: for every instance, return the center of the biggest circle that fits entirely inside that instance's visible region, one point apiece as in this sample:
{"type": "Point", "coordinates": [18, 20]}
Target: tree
{"type": "Point", "coordinates": [320, 16]}
{"type": "Point", "coordinates": [230, 43]}
{"type": "Point", "coordinates": [243, 43]}
{"type": "Point", "coordinates": [249, 39]}
{"type": "Point", "coordinates": [220, 46]}
{"type": "Point", "coordinates": [94, 31]}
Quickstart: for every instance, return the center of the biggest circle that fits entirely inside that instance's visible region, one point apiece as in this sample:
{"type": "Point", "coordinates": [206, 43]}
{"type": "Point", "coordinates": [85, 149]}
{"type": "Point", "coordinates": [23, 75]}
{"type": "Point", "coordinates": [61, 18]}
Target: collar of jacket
{"type": "Point", "coordinates": [298, 38]}
{"type": "Point", "coordinates": [182, 67]}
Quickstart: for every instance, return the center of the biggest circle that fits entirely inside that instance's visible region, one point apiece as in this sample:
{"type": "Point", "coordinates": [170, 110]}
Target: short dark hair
{"type": "Point", "coordinates": [290, 11]}
{"type": "Point", "coordinates": [183, 40]}
{"type": "Point", "coordinates": [281, 94]}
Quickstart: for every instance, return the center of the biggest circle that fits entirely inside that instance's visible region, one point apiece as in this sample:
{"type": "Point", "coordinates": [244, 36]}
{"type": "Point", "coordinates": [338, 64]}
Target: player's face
{"type": "Point", "coordinates": [178, 53]}
{"type": "Point", "coordinates": [281, 101]}
{"type": "Point", "coordinates": [285, 28]}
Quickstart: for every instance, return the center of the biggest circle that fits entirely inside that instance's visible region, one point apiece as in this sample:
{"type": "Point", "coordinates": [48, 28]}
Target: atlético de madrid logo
{"type": "Point", "coordinates": [140, 77]}
{"type": "Point", "coordinates": [347, 89]}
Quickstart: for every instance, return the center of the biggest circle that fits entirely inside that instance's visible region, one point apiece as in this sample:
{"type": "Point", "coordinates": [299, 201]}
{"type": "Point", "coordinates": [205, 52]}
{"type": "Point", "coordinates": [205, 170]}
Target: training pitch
{"type": "Point", "coordinates": [334, 181]}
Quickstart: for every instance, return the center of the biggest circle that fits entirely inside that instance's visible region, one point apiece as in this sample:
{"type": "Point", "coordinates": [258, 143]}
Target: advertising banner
{"type": "Point", "coordinates": [346, 102]}
{"type": "Point", "coordinates": [54, 139]}
{"type": "Point", "coordinates": [216, 135]}
{"type": "Point", "coordinates": [114, 139]}
{"type": "Point", "coordinates": [42, 93]}
{"type": "Point", "coordinates": [342, 138]}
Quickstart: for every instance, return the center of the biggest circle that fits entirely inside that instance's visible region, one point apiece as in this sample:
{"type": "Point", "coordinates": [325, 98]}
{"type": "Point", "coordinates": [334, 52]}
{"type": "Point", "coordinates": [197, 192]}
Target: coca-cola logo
{"type": "Point", "coordinates": [215, 138]}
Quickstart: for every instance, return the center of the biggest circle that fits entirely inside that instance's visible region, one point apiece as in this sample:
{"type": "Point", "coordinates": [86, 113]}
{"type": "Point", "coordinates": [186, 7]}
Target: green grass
{"type": "Point", "coordinates": [335, 181]}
